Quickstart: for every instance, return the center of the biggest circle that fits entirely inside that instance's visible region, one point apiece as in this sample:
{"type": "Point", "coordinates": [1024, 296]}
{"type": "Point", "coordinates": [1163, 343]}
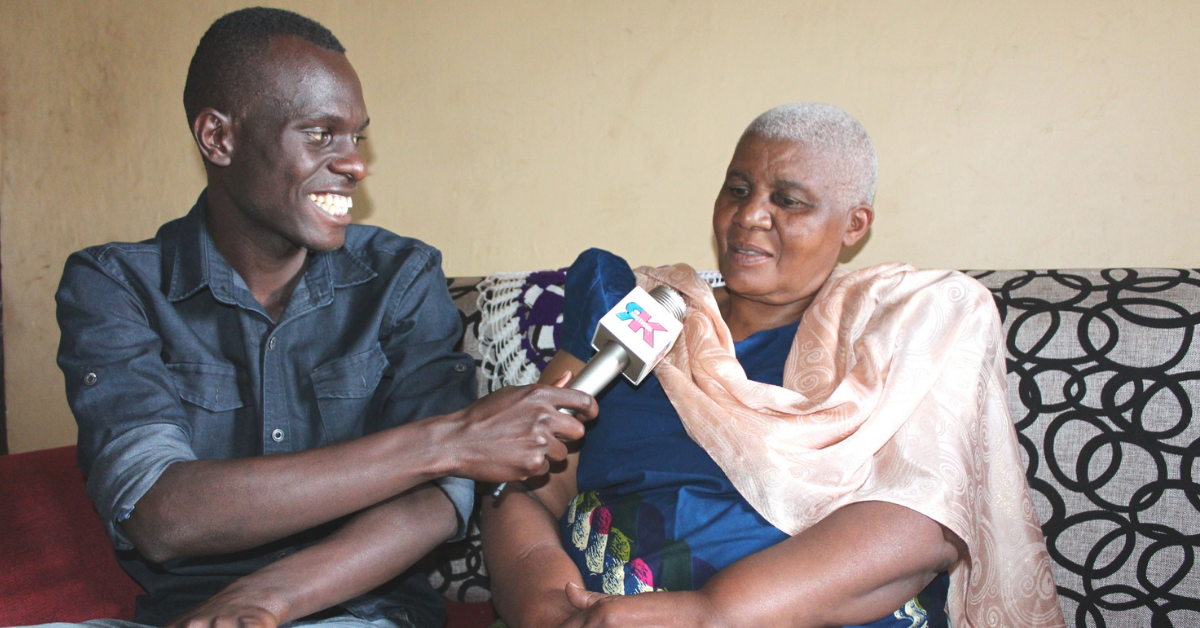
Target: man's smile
{"type": "Point", "coordinates": [333, 204]}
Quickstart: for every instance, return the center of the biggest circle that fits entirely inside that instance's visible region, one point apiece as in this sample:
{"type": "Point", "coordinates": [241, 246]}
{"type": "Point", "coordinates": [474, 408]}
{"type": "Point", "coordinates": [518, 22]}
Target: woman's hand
{"type": "Point", "coordinates": [685, 609]}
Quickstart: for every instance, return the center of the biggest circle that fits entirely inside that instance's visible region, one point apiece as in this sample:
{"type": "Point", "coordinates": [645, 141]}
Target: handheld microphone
{"type": "Point", "coordinates": [630, 340]}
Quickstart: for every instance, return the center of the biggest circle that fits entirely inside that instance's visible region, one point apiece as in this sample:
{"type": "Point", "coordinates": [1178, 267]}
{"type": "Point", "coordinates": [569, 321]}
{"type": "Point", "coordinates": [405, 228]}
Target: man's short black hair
{"type": "Point", "coordinates": [222, 67]}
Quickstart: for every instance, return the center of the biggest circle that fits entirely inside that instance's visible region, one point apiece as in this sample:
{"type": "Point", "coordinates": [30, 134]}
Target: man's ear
{"type": "Point", "coordinates": [861, 218]}
{"type": "Point", "coordinates": [213, 132]}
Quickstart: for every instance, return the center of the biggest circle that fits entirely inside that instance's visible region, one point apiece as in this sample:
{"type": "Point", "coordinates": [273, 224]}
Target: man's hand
{"type": "Point", "coordinates": [514, 433]}
{"type": "Point", "coordinates": [234, 608]}
{"type": "Point", "coordinates": [687, 609]}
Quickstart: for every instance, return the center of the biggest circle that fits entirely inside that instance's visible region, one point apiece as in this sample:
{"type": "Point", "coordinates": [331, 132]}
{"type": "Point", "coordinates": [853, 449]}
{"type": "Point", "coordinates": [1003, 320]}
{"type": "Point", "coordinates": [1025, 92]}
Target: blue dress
{"type": "Point", "coordinates": [654, 511]}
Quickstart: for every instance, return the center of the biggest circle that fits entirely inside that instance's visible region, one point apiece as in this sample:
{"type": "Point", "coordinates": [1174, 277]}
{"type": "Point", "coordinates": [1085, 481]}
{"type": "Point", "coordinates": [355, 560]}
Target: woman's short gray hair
{"type": "Point", "coordinates": [844, 143]}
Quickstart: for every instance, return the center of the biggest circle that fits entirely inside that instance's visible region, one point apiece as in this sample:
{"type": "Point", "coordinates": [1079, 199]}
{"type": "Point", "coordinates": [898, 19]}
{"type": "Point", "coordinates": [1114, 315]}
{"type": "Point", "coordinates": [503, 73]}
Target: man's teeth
{"type": "Point", "coordinates": [333, 204]}
{"type": "Point", "coordinates": [747, 252]}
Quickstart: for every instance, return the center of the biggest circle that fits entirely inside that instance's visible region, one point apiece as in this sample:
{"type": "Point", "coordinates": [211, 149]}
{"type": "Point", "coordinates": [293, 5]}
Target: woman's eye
{"type": "Point", "coordinates": [786, 201]}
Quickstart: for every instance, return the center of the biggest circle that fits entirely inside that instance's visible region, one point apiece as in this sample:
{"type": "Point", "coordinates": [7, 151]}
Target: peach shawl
{"type": "Point", "coordinates": [894, 390]}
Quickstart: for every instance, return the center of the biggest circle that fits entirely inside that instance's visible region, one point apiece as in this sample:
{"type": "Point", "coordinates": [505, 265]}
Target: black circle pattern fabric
{"type": "Point", "coordinates": [1103, 386]}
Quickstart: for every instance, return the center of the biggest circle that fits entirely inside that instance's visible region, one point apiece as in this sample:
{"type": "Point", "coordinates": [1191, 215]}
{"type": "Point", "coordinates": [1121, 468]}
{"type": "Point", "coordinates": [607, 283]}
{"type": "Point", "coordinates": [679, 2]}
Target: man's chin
{"type": "Point", "coordinates": [326, 247]}
{"type": "Point", "coordinates": [331, 242]}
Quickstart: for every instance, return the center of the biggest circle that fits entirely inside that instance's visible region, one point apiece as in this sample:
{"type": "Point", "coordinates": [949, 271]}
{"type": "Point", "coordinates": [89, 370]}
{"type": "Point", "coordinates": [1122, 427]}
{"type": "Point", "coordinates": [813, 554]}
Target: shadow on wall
{"type": "Point", "coordinates": [3, 408]}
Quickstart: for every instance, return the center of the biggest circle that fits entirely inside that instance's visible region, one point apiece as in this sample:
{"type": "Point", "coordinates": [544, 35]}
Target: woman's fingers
{"type": "Point", "coordinates": [581, 598]}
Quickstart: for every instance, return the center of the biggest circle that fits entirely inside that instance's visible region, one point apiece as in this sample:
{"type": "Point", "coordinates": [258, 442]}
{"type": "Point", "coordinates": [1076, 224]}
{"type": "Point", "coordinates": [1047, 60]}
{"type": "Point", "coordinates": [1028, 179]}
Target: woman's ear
{"type": "Point", "coordinates": [213, 132]}
{"type": "Point", "coordinates": [861, 218]}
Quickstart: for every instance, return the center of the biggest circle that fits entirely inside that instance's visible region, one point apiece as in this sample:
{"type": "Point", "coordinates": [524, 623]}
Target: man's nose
{"type": "Point", "coordinates": [351, 164]}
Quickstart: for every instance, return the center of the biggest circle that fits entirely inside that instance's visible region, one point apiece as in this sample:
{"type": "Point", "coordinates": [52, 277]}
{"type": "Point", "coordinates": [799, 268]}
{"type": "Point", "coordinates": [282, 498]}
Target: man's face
{"type": "Point", "coordinates": [296, 159]}
{"type": "Point", "coordinates": [778, 222]}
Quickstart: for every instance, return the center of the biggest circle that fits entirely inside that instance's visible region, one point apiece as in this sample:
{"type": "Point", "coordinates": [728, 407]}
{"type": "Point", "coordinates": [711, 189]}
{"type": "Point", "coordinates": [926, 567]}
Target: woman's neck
{"type": "Point", "coordinates": [746, 317]}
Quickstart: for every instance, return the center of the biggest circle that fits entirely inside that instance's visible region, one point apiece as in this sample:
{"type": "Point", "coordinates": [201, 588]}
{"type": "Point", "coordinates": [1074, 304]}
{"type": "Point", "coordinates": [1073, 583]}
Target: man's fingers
{"type": "Point", "coordinates": [564, 379]}
{"type": "Point", "coordinates": [556, 451]}
{"type": "Point", "coordinates": [254, 622]}
{"type": "Point", "coordinates": [565, 427]}
{"type": "Point", "coordinates": [581, 403]}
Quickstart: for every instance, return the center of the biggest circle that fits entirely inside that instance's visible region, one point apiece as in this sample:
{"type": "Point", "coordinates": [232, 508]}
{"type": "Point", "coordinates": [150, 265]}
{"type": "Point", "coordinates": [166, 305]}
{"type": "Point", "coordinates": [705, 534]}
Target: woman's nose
{"type": "Point", "coordinates": [754, 213]}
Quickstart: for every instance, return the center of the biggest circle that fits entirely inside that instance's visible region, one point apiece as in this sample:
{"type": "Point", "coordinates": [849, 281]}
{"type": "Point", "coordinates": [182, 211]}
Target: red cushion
{"type": "Point", "coordinates": [470, 614]}
{"type": "Point", "coordinates": [58, 563]}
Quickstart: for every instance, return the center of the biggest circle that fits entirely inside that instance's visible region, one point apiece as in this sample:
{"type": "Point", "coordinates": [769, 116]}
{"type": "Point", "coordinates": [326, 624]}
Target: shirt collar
{"type": "Point", "coordinates": [191, 261]}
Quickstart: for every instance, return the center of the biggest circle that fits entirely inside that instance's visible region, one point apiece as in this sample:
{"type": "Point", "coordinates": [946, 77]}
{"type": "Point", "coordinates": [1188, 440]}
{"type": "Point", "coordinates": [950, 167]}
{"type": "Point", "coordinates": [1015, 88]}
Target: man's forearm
{"type": "Point", "coordinates": [208, 507]}
{"type": "Point", "coordinates": [372, 548]}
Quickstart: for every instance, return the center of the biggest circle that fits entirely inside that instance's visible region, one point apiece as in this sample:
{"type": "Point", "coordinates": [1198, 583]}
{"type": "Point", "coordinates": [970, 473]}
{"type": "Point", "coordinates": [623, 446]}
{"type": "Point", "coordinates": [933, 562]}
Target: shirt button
{"type": "Point", "coordinates": [277, 435]}
{"type": "Point", "coordinates": [89, 379]}
{"type": "Point", "coordinates": [271, 343]}
{"type": "Point", "coordinates": [460, 367]}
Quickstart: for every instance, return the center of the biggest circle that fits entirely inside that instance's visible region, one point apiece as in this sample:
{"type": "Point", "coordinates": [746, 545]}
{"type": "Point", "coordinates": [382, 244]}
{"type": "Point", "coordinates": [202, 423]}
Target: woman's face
{"type": "Point", "coordinates": [779, 223]}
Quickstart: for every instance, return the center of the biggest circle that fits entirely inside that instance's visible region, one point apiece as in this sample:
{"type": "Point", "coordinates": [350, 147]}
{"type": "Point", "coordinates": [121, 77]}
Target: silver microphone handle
{"type": "Point", "coordinates": [603, 368]}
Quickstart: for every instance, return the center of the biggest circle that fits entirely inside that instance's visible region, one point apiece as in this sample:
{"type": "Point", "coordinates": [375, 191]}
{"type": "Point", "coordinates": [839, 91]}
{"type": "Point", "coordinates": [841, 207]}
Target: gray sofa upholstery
{"type": "Point", "coordinates": [1103, 385]}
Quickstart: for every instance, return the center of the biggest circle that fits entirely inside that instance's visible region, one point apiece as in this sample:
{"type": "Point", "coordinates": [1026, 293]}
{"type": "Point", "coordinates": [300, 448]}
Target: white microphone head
{"type": "Point", "coordinates": [646, 325]}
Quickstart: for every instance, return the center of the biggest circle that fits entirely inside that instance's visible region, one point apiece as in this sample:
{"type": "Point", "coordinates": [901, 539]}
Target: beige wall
{"type": "Point", "coordinates": [513, 134]}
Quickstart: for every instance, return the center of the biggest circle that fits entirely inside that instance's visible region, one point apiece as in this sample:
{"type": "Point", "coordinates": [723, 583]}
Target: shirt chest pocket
{"type": "Point", "coordinates": [213, 387]}
{"type": "Point", "coordinates": [345, 390]}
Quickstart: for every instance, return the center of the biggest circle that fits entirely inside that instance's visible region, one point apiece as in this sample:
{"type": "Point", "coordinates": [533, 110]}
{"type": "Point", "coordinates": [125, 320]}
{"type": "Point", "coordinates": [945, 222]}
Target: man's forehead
{"type": "Point", "coordinates": [305, 78]}
{"type": "Point", "coordinates": [287, 55]}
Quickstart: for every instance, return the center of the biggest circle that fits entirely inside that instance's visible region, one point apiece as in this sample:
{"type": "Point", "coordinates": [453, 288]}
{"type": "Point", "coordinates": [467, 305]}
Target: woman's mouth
{"type": "Point", "coordinates": [335, 205]}
{"type": "Point", "coordinates": [745, 254]}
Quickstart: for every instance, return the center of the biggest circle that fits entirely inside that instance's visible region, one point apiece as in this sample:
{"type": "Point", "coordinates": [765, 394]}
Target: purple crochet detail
{"type": "Point", "coordinates": [539, 315]}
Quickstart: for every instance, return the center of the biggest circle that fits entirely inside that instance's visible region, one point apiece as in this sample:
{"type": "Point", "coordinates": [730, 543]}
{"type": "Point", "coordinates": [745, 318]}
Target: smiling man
{"type": "Point", "coordinates": [273, 421]}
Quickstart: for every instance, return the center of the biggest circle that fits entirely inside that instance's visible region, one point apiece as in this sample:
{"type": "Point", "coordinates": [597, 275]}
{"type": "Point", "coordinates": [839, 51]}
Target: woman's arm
{"type": "Point", "coordinates": [857, 565]}
{"type": "Point", "coordinates": [526, 561]}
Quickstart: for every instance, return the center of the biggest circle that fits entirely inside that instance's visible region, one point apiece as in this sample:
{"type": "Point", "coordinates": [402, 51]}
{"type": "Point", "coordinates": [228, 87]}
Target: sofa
{"type": "Point", "coordinates": [1103, 386]}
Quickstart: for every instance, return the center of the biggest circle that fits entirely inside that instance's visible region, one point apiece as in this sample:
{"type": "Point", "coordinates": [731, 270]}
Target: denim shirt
{"type": "Point", "coordinates": [168, 356]}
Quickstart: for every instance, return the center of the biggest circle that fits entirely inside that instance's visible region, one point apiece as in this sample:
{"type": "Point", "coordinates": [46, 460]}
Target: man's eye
{"type": "Point", "coordinates": [359, 138]}
{"type": "Point", "coordinates": [738, 191]}
{"type": "Point", "coordinates": [318, 136]}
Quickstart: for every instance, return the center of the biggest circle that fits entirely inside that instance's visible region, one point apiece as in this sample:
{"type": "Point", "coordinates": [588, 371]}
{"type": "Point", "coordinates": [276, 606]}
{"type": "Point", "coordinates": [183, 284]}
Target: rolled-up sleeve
{"type": "Point", "coordinates": [131, 422]}
{"type": "Point", "coordinates": [127, 467]}
{"type": "Point", "coordinates": [428, 376]}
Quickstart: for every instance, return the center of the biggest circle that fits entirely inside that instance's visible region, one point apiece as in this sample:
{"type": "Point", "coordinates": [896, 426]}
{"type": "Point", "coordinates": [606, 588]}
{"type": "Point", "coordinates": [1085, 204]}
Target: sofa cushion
{"type": "Point", "coordinates": [1103, 384]}
{"type": "Point", "coordinates": [58, 563]}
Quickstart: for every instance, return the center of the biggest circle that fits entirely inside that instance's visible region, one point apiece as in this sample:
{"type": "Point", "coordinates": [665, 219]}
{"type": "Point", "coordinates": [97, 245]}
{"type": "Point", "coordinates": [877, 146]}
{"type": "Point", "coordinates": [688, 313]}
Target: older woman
{"type": "Point", "coordinates": [819, 449]}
